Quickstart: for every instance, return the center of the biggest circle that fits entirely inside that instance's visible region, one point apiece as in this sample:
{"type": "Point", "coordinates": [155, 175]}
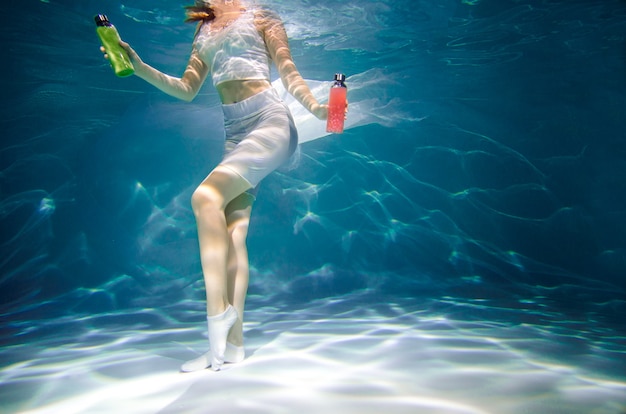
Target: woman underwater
{"type": "Point", "coordinates": [234, 44]}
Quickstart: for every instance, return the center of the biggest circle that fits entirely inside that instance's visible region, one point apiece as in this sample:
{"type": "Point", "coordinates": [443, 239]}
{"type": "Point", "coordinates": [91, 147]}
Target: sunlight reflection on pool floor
{"type": "Point", "coordinates": [349, 354]}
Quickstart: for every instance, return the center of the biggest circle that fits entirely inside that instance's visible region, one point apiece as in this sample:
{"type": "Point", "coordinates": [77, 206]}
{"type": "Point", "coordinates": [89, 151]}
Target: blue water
{"type": "Point", "coordinates": [463, 251]}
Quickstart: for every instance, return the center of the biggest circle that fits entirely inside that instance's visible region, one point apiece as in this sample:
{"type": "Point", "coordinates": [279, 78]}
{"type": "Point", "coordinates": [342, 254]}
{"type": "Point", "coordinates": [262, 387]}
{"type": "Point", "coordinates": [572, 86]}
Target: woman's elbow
{"type": "Point", "coordinates": [187, 98]}
{"type": "Point", "coordinates": [187, 94]}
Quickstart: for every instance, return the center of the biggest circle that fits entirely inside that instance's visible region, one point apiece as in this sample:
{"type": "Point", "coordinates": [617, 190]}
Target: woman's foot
{"type": "Point", "coordinates": [232, 355]}
{"type": "Point", "coordinates": [219, 325]}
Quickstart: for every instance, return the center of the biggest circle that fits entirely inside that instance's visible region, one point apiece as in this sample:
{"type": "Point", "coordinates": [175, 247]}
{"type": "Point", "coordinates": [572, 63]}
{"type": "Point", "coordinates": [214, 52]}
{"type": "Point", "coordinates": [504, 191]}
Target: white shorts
{"type": "Point", "coordinates": [260, 136]}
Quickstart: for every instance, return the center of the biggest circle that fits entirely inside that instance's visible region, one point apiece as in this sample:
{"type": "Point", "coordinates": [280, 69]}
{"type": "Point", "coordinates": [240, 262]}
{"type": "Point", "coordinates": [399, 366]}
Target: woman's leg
{"type": "Point", "coordinates": [209, 203]}
{"type": "Point", "coordinates": [238, 218]}
{"type": "Point", "coordinates": [237, 215]}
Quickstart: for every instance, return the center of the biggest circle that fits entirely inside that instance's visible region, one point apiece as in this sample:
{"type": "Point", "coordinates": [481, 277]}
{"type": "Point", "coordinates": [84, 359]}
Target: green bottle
{"type": "Point", "coordinates": [110, 39]}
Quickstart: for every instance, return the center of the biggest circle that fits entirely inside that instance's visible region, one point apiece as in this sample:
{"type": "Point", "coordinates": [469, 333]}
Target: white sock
{"type": "Point", "coordinates": [232, 355]}
{"type": "Point", "coordinates": [219, 325]}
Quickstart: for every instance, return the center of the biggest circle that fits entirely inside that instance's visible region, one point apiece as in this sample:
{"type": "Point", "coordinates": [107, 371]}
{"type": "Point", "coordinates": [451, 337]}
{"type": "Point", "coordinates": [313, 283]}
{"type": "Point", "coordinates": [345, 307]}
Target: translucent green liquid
{"type": "Point", "coordinates": [117, 56]}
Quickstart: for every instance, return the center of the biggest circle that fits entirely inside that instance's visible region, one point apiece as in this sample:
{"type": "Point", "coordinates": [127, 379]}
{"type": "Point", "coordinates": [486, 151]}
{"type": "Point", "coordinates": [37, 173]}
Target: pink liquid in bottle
{"type": "Point", "coordinates": [337, 105]}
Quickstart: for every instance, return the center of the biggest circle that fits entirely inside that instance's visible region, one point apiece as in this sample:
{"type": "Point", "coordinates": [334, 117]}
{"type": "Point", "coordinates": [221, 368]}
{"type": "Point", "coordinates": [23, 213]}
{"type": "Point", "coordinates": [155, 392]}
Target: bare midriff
{"type": "Point", "coordinates": [237, 90]}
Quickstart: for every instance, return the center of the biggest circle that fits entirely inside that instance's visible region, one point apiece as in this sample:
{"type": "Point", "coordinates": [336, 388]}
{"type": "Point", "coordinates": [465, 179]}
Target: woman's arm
{"type": "Point", "coordinates": [185, 88]}
{"type": "Point", "coordinates": [277, 43]}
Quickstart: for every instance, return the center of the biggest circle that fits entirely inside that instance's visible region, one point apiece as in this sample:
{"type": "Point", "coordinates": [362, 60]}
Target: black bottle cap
{"type": "Point", "coordinates": [102, 20]}
{"type": "Point", "coordinates": [340, 77]}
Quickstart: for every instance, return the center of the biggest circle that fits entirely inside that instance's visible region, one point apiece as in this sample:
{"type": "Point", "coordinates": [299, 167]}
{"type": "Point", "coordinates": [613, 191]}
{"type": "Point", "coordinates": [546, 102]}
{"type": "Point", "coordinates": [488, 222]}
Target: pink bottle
{"type": "Point", "coordinates": [337, 102]}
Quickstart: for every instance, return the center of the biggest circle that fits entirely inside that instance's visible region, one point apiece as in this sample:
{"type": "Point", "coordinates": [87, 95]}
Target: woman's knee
{"type": "Point", "coordinates": [218, 190]}
{"type": "Point", "coordinates": [238, 218]}
{"type": "Point", "coordinates": [206, 197]}
{"type": "Point", "coordinates": [238, 231]}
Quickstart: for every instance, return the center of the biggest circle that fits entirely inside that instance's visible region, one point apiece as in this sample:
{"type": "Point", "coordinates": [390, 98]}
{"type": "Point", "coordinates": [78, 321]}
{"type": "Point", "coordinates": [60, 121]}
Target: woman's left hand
{"type": "Point", "coordinates": [320, 111]}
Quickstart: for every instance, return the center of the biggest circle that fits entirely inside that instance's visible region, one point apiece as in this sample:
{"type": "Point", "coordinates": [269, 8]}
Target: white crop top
{"type": "Point", "coordinates": [236, 52]}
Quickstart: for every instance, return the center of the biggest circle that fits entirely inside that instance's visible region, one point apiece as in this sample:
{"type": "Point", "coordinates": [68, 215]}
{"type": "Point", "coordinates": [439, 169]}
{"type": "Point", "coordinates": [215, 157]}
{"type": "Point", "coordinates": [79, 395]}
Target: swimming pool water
{"type": "Point", "coordinates": [462, 251]}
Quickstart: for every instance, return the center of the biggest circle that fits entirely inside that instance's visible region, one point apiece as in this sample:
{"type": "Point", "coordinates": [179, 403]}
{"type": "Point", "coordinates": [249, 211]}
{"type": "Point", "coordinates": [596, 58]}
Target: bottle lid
{"type": "Point", "coordinates": [340, 77]}
{"type": "Point", "coordinates": [102, 20]}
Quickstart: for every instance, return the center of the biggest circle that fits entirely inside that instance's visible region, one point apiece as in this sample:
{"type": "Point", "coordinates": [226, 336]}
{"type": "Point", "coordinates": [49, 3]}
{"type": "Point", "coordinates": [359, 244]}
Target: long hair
{"type": "Point", "coordinates": [199, 12]}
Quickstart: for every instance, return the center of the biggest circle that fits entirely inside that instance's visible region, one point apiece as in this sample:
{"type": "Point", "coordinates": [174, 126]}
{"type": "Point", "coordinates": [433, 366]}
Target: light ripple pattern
{"type": "Point", "coordinates": [358, 353]}
{"type": "Point", "coordinates": [461, 248]}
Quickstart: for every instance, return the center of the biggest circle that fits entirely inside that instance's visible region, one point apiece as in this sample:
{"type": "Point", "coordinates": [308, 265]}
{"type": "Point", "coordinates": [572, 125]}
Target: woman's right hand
{"type": "Point", "coordinates": [134, 57]}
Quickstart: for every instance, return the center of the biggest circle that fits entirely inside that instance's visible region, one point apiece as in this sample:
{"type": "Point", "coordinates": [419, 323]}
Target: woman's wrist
{"type": "Point", "coordinates": [141, 69]}
{"type": "Point", "coordinates": [320, 111]}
